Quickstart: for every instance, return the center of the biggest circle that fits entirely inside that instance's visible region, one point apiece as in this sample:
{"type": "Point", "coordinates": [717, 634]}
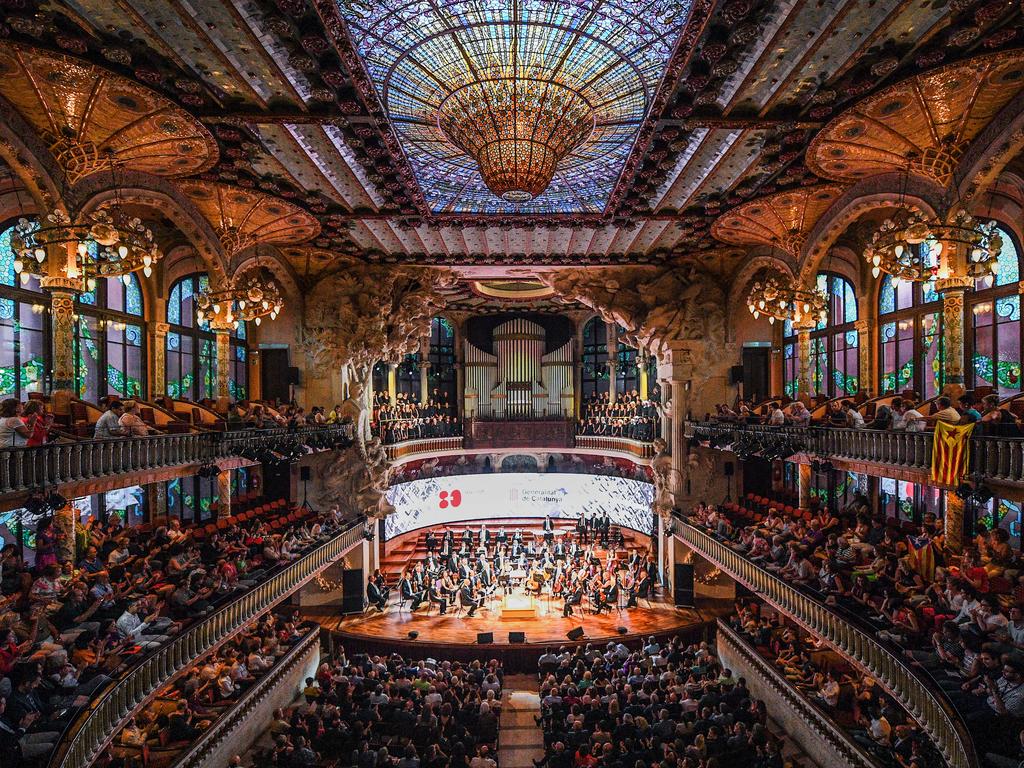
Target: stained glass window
{"type": "Point", "coordinates": [790, 367]}
{"type": "Point", "coordinates": [834, 360]}
{"type": "Point", "coordinates": [612, 52]}
{"type": "Point", "coordinates": [595, 357]}
{"type": "Point", "coordinates": [932, 356]}
{"type": "Point", "coordinates": [911, 344]}
{"type": "Point", "coordinates": [110, 340]}
{"type": "Point", "coordinates": [191, 348]}
{"type": "Point", "coordinates": [897, 366]}
{"type": "Point", "coordinates": [442, 360]}
{"type": "Point", "coordinates": [1008, 270]}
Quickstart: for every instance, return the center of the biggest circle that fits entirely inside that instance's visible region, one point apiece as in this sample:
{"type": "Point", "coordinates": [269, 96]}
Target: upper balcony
{"type": "Point", "coordinates": [91, 466]}
{"type": "Point", "coordinates": [998, 460]}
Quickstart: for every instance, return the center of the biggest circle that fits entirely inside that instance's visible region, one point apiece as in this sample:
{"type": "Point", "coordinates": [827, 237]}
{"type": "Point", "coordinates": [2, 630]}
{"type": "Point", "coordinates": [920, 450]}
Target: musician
{"type": "Point", "coordinates": [581, 527]}
{"type": "Point", "coordinates": [375, 597]}
{"type": "Point", "coordinates": [485, 536]}
{"type": "Point", "coordinates": [431, 542]}
{"type": "Point", "coordinates": [558, 552]}
{"type": "Point", "coordinates": [573, 596]}
{"type": "Point", "coordinates": [642, 588]}
{"type": "Point", "coordinates": [604, 593]}
{"type": "Point", "coordinates": [408, 592]}
{"type": "Point", "coordinates": [435, 594]}
{"type": "Point", "coordinates": [447, 543]}
{"type": "Point", "coordinates": [549, 529]}
{"type": "Point", "coordinates": [467, 540]}
{"type": "Point", "coordinates": [468, 598]}
{"type": "Point", "coordinates": [502, 538]}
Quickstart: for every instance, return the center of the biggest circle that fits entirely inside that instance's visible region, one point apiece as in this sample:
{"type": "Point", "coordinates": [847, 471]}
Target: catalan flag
{"type": "Point", "coordinates": [951, 451]}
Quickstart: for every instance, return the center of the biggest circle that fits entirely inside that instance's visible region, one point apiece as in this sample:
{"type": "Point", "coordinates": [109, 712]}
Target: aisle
{"type": "Point", "coordinates": [520, 740]}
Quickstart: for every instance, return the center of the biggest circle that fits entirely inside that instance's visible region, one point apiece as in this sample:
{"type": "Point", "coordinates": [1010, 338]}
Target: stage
{"type": "Point", "coordinates": [455, 636]}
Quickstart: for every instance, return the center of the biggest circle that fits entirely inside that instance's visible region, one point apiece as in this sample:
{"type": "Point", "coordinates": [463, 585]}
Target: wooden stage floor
{"type": "Point", "coordinates": [546, 628]}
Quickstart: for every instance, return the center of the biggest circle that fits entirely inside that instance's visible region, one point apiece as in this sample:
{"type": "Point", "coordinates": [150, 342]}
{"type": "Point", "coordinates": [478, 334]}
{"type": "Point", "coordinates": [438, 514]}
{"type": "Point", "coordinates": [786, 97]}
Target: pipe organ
{"type": "Point", "coordinates": [519, 380]}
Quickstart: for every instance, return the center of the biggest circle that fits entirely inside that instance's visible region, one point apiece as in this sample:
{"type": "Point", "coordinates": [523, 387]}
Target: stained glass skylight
{"type": "Point", "coordinates": [611, 52]}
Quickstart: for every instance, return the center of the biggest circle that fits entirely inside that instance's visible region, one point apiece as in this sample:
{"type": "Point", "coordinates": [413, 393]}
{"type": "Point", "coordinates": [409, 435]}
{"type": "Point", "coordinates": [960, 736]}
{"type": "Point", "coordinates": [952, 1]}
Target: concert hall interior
{"type": "Point", "coordinates": [511, 383]}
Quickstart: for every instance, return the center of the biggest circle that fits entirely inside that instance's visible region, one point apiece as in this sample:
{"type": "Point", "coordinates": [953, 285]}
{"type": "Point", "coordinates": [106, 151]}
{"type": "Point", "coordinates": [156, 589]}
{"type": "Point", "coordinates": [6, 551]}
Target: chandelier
{"type": "Point", "coordinates": [518, 124]}
{"type": "Point", "coordinates": [252, 297]}
{"type": "Point", "coordinates": [896, 246]}
{"type": "Point", "coordinates": [107, 243]}
{"type": "Point", "coordinates": [801, 307]}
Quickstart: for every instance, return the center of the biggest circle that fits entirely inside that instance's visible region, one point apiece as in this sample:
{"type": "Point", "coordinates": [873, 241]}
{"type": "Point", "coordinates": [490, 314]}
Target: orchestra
{"type": "Point", "coordinates": [468, 568]}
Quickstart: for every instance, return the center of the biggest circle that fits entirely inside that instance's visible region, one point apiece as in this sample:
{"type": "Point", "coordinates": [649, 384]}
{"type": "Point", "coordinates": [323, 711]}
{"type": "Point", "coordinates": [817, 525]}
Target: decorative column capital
{"type": "Point", "coordinates": [862, 326]}
{"type": "Point", "coordinates": [160, 330]}
{"type": "Point", "coordinates": [55, 284]}
{"type": "Point", "coordinates": [954, 285]}
{"type": "Point", "coordinates": [221, 326]}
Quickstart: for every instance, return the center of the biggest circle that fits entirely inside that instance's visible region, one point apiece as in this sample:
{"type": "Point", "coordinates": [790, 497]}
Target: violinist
{"type": "Point", "coordinates": [407, 591]}
{"type": "Point", "coordinates": [642, 588]}
{"type": "Point", "coordinates": [573, 596]}
{"type": "Point", "coordinates": [604, 593]}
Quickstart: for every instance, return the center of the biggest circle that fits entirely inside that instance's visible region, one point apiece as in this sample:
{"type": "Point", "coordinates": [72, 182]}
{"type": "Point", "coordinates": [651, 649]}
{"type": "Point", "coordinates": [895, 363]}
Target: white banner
{"type": "Point", "coordinates": [441, 500]}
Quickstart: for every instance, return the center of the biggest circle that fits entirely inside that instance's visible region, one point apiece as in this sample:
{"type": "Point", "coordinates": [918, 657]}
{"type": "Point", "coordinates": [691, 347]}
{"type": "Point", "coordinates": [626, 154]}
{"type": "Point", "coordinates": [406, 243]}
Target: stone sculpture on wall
{"type": "Point", "coordinates": [356, 318]}
{"type": "Point", "coordinates": [661, 310]}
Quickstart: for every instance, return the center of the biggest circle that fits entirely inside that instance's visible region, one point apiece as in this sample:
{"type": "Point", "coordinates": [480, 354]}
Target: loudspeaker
{"type": "Point", "coordinates": [727, 468]}
{"type": "Point", "coordinates": [484, 638]}
{"type": "Point", "coordinates": [305, 475]}
{"type": "Point", "coordinates": [517, 637]}
{"type": "Point", "coordinates": [736, 374]}
{"type": "Point", "coordinates": [621, 630]}
{"type": "Point", "coordinates": [293, 374]}
{"type": "Point", "coordinates": [683, 585]}
{"type": "Point", "coordinates": [352, 600]}
{"type": "Point", "coordinates": [413, 634]}
{"type": "Point", "coordinates": [575, 634]}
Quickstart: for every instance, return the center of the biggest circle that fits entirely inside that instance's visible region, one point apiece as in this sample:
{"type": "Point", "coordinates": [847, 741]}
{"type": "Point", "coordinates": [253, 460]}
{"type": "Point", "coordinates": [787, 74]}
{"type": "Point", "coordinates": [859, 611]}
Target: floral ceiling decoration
{"type": "Point", "coordinates": [525, 106]}
{"type": "Point", "coordinates": [244, 218]}
{"type": "Point", "coordinates": [921, 125]}
{"type": "Point", "coordinates": [92, 118]}
{"type": "Point", "coordinates": [781, 220]}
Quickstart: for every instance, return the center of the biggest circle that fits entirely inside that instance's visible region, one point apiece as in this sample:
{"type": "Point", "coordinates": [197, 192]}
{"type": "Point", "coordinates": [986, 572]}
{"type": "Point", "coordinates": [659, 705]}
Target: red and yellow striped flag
{"type": "Point", "coordinates": [951, 451]}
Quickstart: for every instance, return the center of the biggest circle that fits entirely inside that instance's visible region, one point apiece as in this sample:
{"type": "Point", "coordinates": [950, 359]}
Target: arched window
{"type": "Point", "coordinates": [191, 358]}
{"type": "Point", "coordinates": [910, 337]}
{"type": "Point", "coordinates": [994, 345]}
{"type": "Point", "coordinates": [442, 361]}
{"type": "Point", "coordinates": [110, 340]}
{"type": "Point", "coordinates": [24, 327]}
{"type": "Point", "coordinates": [595, 357]}
{"type": "Point", "coordinates": [834, 361]}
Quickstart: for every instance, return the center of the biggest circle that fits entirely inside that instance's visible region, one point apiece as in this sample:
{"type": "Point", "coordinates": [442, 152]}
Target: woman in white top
{"type": "Point", "coordinates": [14, 432]}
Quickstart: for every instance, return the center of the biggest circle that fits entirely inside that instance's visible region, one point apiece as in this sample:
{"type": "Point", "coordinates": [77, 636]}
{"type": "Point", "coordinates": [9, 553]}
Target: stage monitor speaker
{"type": "Point", "coordinates": [621, 630]}
{"type": "Point", "coordinates": [575, 634]}
{"type": "Point", "coordinates": [683, 585]}
{"type": "Point", "coordinates": [484, 638]}
{"type": "Point", "coordinates": [517, 637]}
{"type": "Point", "coordinates": [293, 374]}
{"type": "Point", "coordinates": [304, 473]}
{"type": "Point", "coordinates": [736, 374]}
{"type": "Point", "coordinates": [728, 468]}
{"type": "Point", "coordinates": [352, 591]}
{"type": "Point", "coordinates": [413, 634]}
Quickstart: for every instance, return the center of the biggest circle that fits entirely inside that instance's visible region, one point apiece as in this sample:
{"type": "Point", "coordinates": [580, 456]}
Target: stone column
{"type": "Point", "coordinates": [865, 370]}
{"type": "Point", "coordinates": [393, 383]}
{"type": "Point", "coordinates": [158, 382]}
{"type": "Point", "coordinates": [577, 371]}
{"type": "Point", "coordinates": [954, 522]}
{"type": "Point", "coordinates": [62, 292]}
{"type": "Point", "coordinates": [424, 381]}
{"type": "Point", "coordinates": [803, 485]}
{"type": "Point", "coordinates": [952, 291]}
{"type": "Point", "coordinates": [613, 360]}
{"type": "Point", "coordinates": [678, 444]}
{"type": "Point", "coordinates": [666, 419]}
{"type": "Point", "coordinates": [460, 366]}
{"type": "Point", "coordinates": [641, 364]}
{"type": "Point", "coordinates": [803, 374]}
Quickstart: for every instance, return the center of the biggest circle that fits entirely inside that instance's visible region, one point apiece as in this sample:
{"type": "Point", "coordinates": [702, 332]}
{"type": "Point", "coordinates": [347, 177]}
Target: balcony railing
{"type": "Point", "coordinates": [636, 448]}
{"type": "Point", "coordinates": [108, 713]}
{"type": "Point", "coordinates": [24, 469]}
{"type": "Point", "coordinates": [994, 458]}
{"type": "Point", "coordinates": [224, 726]}
{"type": "Point", "coordinates": [823, 728]}
{"type": "Point", "coordinates": [913, 689]}
{"type": "Point", "coordinates": [429, 445]}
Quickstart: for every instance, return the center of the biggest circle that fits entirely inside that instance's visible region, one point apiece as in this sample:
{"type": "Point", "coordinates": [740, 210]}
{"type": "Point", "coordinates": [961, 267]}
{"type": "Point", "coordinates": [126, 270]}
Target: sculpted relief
{"type": "Point", "coordinates": [676, 310]}
{"type": "Point", "coordinates": [355, 319]}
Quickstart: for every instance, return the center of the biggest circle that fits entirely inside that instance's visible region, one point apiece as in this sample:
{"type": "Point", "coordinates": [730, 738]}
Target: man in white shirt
{"type": "Point", "coordinates": [946, 412]}
{"type": "Point", "coordinates": [109, 424]}
{"type": "Point", "coordinates": [776, 417]}
{"type": "Point", "coordinates": [131, 627]}
{"type": "Point", "coordinates": [853, 418]}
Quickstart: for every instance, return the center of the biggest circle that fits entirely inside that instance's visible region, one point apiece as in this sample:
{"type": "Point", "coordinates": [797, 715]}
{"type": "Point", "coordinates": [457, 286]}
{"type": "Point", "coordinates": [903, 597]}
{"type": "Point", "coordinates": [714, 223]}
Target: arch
{"type": "Point", "coordinates": [30, 160]}
{"type": "Point", "coordinates": [159, 195]}
{"type": "Point", "coordinates": [998, 143]}
{"type": "Point", "coordinates": [871, 194]}
{"type": "Point", "coordinates": [271, 259]}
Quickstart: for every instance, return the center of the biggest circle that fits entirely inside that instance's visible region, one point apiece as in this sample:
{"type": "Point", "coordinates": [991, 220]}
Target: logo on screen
{"type": "Point", "coordinates": [452, 499]}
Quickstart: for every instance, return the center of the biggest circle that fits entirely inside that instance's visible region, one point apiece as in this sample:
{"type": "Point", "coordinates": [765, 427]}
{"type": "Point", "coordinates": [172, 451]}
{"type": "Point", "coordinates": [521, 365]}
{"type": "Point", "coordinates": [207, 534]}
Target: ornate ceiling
{"type": "Point", "coordinates": [329, 106]}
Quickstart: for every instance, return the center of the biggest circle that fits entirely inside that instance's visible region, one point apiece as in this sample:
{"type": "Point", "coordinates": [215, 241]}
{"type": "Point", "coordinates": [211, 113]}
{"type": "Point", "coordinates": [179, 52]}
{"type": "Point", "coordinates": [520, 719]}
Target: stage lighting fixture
{"type": "Point", "coordinates": [982, 494]}
{"type": "Point", "coordinates": [36, 505]}
{"type": "Point", "coordinates": [621, 630]}
{"type": "Point", "coordinates": [963, 491]}
{"type": "Point", "coordinates": [722, 440]}
{"type": "Point", "coordinates": [208, 471]}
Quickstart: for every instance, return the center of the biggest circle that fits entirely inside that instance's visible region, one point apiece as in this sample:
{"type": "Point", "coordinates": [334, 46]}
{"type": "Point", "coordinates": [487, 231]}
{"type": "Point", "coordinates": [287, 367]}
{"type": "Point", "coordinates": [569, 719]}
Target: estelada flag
{"type": "Point", "coordinates": [951, 450]}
